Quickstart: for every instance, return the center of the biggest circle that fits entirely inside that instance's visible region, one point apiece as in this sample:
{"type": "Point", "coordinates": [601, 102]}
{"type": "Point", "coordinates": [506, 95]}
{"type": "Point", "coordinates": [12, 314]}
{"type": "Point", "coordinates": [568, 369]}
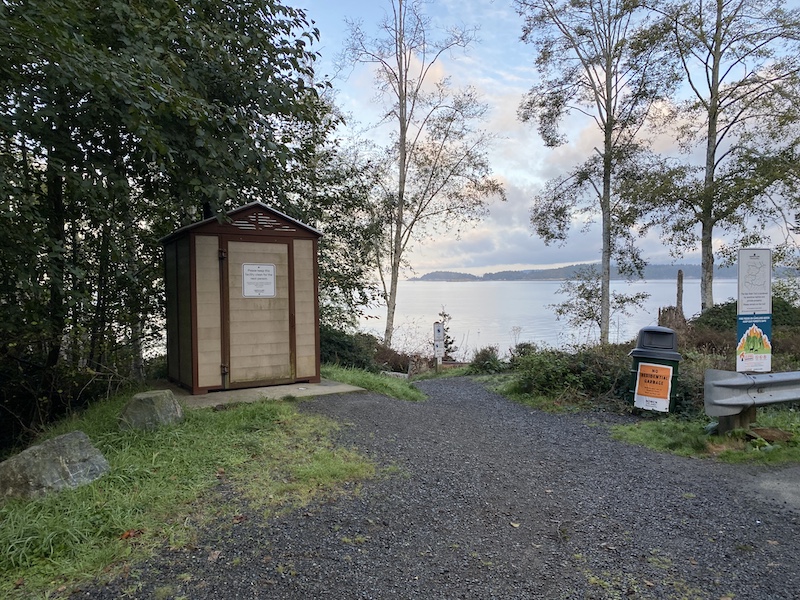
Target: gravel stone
{"type": "Point", "coordinates": [479, 497]}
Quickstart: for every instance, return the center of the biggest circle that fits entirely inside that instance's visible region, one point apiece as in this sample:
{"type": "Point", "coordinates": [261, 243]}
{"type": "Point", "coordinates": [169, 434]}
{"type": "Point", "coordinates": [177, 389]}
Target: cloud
{"type": "Point", "coordinates": [501, 68]}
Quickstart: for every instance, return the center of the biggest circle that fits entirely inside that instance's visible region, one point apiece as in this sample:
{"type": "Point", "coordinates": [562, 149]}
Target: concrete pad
{"type": "Point", "coordinates": [274, 392]}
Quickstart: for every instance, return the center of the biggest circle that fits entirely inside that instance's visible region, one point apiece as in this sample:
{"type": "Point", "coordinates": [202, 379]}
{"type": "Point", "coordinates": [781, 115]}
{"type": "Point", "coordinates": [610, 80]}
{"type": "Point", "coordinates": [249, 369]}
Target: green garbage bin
{"type": "Point", "coordinates": [654, 372]}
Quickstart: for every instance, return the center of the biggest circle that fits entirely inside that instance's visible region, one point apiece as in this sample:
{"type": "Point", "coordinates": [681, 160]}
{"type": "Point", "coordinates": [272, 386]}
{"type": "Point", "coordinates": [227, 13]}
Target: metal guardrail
{"type": "Point", "coordinates": [728, 394]}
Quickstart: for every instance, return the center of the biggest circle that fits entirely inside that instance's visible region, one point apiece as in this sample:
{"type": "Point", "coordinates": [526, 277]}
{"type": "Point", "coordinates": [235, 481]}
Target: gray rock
{"type": "Point", "coordinates": [394, 374]}
{"type": "Point", "coordinates": [66, 461]}
{"type": "Point", "coordinates": [151, 410]}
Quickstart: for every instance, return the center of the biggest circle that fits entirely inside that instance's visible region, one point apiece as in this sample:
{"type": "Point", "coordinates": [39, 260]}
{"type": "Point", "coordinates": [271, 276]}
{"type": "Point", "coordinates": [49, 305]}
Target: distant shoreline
{"type": "Point", "coordinates": [651, 273]}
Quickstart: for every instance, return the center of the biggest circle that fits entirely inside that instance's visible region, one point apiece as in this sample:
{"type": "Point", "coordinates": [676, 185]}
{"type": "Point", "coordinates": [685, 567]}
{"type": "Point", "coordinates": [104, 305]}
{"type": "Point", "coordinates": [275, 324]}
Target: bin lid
{"type": "Point", "coordinates": [657, 343]}
{"type": "Point", "coordinates": [655, 354]}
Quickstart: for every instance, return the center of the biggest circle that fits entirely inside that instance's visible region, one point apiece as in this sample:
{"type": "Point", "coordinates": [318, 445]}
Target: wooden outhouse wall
{"type": "Point", "coordinates": [305, 308]}
{"type": "Point", "coordinates": [223, 330]}
{"type": "Point", "coordinates": [209, 311]}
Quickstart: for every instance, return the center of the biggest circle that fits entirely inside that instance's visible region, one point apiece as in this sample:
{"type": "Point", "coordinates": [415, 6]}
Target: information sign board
{"type": "Point", "coordinates": [258, 280]}
{"type": "Point", "coordinates": [755, 281]}
{"type": "Point", "coordinates": [754, 348]}
{"type": "Point", "coordinates": [754, 308]}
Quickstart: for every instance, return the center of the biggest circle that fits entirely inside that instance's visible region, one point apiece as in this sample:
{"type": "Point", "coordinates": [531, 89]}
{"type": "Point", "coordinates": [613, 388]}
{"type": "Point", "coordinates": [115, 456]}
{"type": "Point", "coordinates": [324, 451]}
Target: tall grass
{"type": "Point", "coordinates": [270, 452]}
{"type": "Point", "coordinates": [388, 386]}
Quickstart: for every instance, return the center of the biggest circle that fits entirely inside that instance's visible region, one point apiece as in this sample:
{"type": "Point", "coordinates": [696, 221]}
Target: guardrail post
{"type": "Point", "coordinates": [741, 421]}
{"type": "Point", "coordinates": [733, 397]}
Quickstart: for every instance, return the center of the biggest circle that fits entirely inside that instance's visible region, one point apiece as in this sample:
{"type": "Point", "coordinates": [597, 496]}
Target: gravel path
{"type": "Point", "coordinates": [483, 498]}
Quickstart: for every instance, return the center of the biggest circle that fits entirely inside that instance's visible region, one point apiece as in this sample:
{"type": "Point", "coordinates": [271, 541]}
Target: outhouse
{"type": "Point", "coordinates": [242, 301]}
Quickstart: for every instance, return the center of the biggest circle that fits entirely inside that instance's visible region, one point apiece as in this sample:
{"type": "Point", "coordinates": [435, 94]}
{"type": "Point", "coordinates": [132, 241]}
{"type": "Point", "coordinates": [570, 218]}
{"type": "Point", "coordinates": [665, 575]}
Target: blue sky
{"type": "Point", "coordinates": [501, 68]}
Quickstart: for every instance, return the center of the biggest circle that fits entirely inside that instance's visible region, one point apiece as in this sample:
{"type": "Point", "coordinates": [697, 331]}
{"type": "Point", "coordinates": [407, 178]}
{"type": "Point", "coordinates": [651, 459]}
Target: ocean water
{"type": "Point", "coordinates": [504, 313]}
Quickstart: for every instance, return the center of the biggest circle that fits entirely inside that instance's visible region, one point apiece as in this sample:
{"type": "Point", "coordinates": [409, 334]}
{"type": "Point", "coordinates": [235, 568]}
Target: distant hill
{"type": "Point", "coordinates": [651, 272]}
{"type": "Point", "coordinates": [447, 276]}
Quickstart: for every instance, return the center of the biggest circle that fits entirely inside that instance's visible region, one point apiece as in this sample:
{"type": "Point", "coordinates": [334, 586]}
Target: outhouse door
{"type": "Point", "coordinates": [258, 306]}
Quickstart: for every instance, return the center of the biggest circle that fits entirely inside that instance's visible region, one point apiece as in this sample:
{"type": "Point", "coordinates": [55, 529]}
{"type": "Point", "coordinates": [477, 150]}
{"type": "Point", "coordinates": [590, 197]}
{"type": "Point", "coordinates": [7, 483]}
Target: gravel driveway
{"type": "Point", "coordinates": [482, 498]}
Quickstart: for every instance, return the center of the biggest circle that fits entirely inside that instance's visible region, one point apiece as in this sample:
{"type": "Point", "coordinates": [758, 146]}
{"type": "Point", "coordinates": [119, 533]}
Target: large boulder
{"type": "Point", "coordinates": [151, 410]}
{"type": "Point", "coordinates": [66, 461]}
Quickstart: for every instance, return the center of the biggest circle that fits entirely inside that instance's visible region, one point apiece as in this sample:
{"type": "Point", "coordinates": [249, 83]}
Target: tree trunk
{"type": "Point", "coordinates": [605, 266]}
{"type": "Point", "coordinates": [56, 261]}
{"type": "Point", "coordinates": [706, 217]}
{"type": "Point", "coordinates": [391, 303]}
{"type": "Point", "coordinates": [706, 267]}
{"type": "Point", "coordinates": [605, 203]}
{"type": "Point", "coordinates": [398, 213]}
{"type": "Point", "coordinates": [137, 353]}
{"type": "Point", "coordinates": [97, 343]}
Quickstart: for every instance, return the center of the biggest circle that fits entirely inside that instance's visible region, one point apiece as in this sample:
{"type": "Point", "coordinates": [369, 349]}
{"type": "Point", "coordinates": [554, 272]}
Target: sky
{"type": "Point", "coordinates": [500, 67]}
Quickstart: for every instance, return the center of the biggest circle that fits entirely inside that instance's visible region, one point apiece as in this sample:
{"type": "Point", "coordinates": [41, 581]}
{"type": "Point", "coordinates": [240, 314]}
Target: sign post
{"type": "Point", "coordinates": [438, 343]}
{"type": "Point", "coordinates": [754, 311]}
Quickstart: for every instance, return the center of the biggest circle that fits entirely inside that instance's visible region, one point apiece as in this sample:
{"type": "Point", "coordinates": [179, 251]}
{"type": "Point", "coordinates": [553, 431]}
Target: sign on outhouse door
{"type": "Point", "coordinates": [259, 334]}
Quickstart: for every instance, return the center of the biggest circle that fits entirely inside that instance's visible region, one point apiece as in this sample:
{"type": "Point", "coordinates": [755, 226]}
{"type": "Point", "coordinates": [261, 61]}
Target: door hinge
{"type": "Point", "coordinates": [223, 254]}
{"type": "Point", "coordinates": [224, 369]}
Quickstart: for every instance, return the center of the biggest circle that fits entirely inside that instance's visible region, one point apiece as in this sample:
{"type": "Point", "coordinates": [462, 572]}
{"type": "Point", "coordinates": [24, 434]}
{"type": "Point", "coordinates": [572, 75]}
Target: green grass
{"type": "Point", "coordinates": [563, 401]}
{"type": "Point", "coordinates": [669, 434]}
{"type": "Point", "coordinates": [161, 489]}
{"type": "Point", "coordinates": [388, 386]}
{"type": "Point", "coordinates": [688, 438]}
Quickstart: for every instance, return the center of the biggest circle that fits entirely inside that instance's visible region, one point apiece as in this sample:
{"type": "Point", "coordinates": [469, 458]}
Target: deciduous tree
{"type": "Point", "coordinates": [437, 175]}
{"type": "Point", "coordinates": [592, 64]}
{"type": "Point", "coordinates": [740, 62]}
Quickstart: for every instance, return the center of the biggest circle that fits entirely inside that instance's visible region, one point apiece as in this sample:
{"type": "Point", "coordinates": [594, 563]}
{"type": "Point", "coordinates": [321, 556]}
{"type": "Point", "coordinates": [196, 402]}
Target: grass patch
{"type": "Point", "coordinates": [271, 453]}
{"type": "Point", "coordinates": [688, 438]}
{"type": "Point", "coordinates": [388, 386]}
{"type": "Point", "coordinates": [564, 400]}
{"type": "Point", "coordinates": [444, 372]}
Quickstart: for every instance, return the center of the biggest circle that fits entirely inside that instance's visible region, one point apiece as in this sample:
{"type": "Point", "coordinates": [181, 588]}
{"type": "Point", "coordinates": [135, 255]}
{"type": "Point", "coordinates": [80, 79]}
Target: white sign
{"type": "Point", "coordinates": [258, 280]}
{"type": "Point", "coordinates": [438, 340]}
{"type": "Point", "coordinates": [755, 281]}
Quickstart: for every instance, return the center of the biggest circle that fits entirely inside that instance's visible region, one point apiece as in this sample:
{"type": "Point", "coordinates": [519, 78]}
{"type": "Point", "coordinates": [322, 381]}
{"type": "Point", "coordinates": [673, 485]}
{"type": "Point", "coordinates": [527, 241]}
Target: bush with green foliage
{"type": "Point", "coordinates": [520, 351]}
{"type": "Point", "coordinates": [359, 351]}
{"type": "Point", "coordinates": [355, 350]}
{"type": "Point", "coordinates": [487, 361]}
{"type": "Point", "coordinates": [602, 371]}
{"type": "Point", "coordinates": [722, 317]}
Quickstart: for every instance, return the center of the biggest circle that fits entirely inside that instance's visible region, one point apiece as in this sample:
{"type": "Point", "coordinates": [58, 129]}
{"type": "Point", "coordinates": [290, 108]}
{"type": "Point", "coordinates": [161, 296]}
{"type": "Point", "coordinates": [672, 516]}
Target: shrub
{"type": "Point", "coordinates": [487, 360]}
{"type": "Point", "coordinates": [387, 359]}
{"type": "Point", "coordinates": [519, 351]}
{"type": "Point", "coordinates": [722, 317]}
{"type": "Point", "coordinates": [709, 341]}
{"type": "Point", "coordinates": [58, 391]}
{"type": "Point", "coordinates": [598, 372]}
{"type": "Point", "coordinates": [355, 350]}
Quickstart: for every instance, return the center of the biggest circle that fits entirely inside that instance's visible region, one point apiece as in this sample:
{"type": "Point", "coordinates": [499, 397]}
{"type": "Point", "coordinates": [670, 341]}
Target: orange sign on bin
{"type": "Point", "coordinates": [653, 386]}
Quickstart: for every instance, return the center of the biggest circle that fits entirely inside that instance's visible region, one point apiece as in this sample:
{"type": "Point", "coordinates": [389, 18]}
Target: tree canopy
{"type": "Point", "coordinates": [739, 61]}
{"type": "Point", "coordinates": [592, 62]}
{"type": "Point", "coordinates": [119, 123]}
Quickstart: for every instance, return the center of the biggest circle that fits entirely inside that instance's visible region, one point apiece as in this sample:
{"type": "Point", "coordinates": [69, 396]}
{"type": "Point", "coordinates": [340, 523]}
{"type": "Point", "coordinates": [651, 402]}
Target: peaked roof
{"type": "Point", "coordinates": [231, 214]}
